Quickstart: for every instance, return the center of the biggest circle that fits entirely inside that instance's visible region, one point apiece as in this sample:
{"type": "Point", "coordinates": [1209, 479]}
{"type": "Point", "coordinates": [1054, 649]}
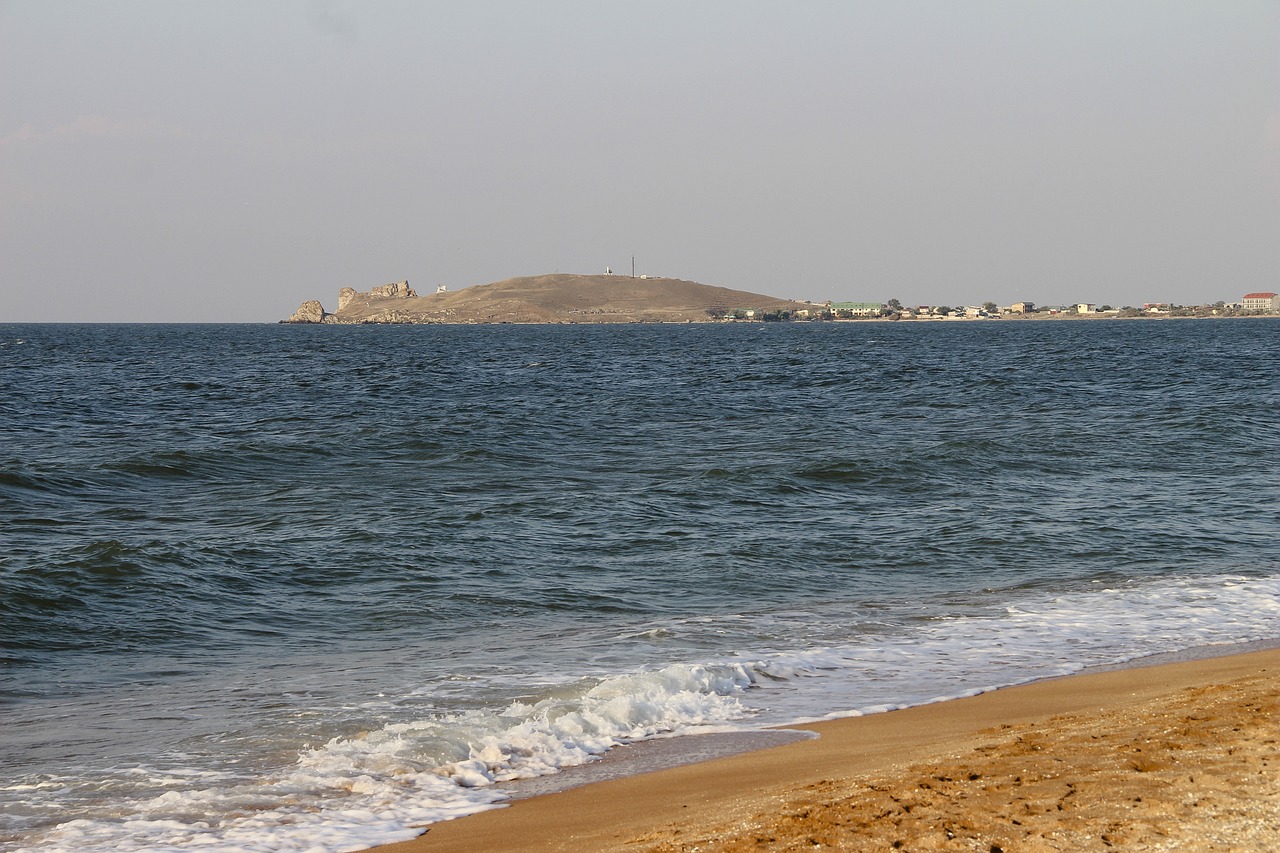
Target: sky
{"type": "Point", "coordinates": [194, 161]}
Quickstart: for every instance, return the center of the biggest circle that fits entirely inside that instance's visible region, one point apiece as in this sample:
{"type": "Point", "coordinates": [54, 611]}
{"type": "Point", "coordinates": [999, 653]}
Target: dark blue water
{"type": "Point", "coordinates": [242, 562]}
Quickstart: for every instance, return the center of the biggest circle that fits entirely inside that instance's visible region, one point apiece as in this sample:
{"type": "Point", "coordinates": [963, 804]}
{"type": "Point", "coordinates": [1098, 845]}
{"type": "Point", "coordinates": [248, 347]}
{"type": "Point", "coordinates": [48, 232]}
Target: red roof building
{"type": "Point", "coordinates": [1261, 302]}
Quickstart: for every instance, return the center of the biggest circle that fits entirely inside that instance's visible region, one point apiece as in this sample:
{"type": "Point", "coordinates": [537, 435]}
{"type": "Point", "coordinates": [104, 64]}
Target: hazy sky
{"type": "Point", "coordinates": [224, 161]}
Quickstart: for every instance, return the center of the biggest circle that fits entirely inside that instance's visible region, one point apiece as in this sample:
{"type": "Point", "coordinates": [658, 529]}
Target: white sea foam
{"type": "Point", "coordinates": [384, 784]}
{"type": "Point", "coordinates": [353, 791]}
{"type": "Point", "coordinates": [1039, 637]}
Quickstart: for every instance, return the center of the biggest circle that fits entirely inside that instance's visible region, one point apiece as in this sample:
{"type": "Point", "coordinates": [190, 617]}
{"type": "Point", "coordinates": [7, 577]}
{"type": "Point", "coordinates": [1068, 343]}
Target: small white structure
{"type": "Point", "coordinates": [441, 288]}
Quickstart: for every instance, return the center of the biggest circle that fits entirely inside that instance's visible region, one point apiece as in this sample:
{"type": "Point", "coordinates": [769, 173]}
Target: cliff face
{"type": "Point", "coordinates": [349, 296]}
{"type": "Point", "coordinates": [550, 299]}
{"type": "Point", "coordinates": [351, 301]}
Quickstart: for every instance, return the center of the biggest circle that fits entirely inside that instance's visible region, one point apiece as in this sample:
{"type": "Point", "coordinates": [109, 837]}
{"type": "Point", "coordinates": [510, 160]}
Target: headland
{"type": "Point", "coordinates": [557, 298]}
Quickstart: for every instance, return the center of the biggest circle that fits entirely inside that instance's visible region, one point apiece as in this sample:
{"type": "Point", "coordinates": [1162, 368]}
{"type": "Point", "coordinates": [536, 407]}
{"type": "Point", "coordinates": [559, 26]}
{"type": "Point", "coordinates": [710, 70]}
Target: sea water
{"type": "Point", "coordinates": [313, 588]}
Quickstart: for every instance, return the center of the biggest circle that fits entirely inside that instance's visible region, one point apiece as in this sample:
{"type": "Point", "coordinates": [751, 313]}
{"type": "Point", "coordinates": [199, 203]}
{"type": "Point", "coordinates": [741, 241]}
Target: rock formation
{"type": "Point", "coordinates": [349, 296]}
{"type": "Point", "coordinates": [397, 290]}
{"type": "Point", "coordinates": [310, 311]}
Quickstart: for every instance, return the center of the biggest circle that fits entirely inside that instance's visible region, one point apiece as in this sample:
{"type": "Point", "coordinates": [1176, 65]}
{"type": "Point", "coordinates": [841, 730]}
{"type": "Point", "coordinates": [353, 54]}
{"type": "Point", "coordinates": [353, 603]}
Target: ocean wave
{"type": "Point", "coordinates": [376, 785]}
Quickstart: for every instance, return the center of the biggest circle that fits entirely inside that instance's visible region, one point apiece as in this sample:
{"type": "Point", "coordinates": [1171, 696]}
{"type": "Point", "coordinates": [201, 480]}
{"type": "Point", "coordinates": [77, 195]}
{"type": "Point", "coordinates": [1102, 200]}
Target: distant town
{"type": "Point", "coordinates": [610, 298]}
{"type": "Point", "coordinates": [1251, 304]}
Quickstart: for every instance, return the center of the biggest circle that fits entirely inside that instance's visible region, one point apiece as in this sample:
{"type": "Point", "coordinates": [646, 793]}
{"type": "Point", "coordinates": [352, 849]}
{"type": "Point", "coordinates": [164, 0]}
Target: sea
{"type": "Point", "coordinates": [314, 588]}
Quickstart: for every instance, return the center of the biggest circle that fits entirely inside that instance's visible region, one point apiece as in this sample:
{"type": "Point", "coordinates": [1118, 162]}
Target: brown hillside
{"type": "Point", "coordinates": [563, 298]}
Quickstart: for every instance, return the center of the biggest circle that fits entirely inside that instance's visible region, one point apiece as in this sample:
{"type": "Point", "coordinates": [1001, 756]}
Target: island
{"type": "Point", "coordinates": [556, 298]}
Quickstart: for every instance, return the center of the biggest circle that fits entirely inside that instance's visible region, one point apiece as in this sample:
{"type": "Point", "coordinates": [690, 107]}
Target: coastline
{"type": "Point", "coordinates": [1054, 318]}
{"type": "Point", "coordinates": [1013, 318]}
{"type": "Point", "coordinates": [1178, 734]}
{"type": "Point", "coordinates": [559, 298]}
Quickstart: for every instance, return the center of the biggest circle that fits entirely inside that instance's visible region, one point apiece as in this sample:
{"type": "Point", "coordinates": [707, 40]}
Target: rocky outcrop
{"type": "Point", "coordinates": [397, 290]}
{"type": "Point", "coordinates": [310, 311]}
{"type": "Point", "coordinates": [348, 296]}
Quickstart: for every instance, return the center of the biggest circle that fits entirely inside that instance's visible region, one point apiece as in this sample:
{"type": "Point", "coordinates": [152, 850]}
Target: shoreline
{"type": "Point", "coordinates": [1014, 318]}
{"type": "Point", "coordinates": [1055, 318]}
{"type": "Point", "coordinates": [662, 753]}
{"type": "Point", "coordinates": [648, 808]}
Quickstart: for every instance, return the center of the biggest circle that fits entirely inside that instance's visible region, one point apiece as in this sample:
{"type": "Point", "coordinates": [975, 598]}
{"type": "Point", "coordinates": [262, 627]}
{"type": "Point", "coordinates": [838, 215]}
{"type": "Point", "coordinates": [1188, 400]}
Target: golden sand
{"type": "Point", "coordinates": [1176, 757]}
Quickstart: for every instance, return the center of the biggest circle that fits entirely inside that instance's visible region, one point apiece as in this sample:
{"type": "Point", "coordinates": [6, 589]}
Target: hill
{"type": "Point", "coordinates": [558, 298]}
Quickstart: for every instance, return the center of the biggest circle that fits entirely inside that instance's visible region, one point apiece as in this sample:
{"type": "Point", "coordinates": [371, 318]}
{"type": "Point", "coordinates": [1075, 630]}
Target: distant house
{"type": "Point", "coordinates": [1261, 302]}
{"type": "Point", "coordinates": [1086, 308]}
{"type": "Point", "coordinates": [1022, 308]}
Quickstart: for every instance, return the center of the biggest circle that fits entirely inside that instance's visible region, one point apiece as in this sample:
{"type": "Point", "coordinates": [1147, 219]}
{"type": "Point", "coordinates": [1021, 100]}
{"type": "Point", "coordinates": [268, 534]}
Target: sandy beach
{"type": "Point", "coordinates": [1179, 756]}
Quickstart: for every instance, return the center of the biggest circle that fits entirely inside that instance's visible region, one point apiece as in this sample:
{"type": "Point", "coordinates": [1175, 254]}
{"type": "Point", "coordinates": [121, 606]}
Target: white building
{"type": "Point", "coordinates": [1261, 302]}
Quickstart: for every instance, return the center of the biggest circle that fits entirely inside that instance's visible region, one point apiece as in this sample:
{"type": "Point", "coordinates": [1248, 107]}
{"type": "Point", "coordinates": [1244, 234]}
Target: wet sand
{"type": "Point", "coordinates": [1180, 756]}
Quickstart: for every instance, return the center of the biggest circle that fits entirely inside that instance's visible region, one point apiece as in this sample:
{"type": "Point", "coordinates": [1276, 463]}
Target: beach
{"type": "Point", "coordinates": [1180, 755]}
